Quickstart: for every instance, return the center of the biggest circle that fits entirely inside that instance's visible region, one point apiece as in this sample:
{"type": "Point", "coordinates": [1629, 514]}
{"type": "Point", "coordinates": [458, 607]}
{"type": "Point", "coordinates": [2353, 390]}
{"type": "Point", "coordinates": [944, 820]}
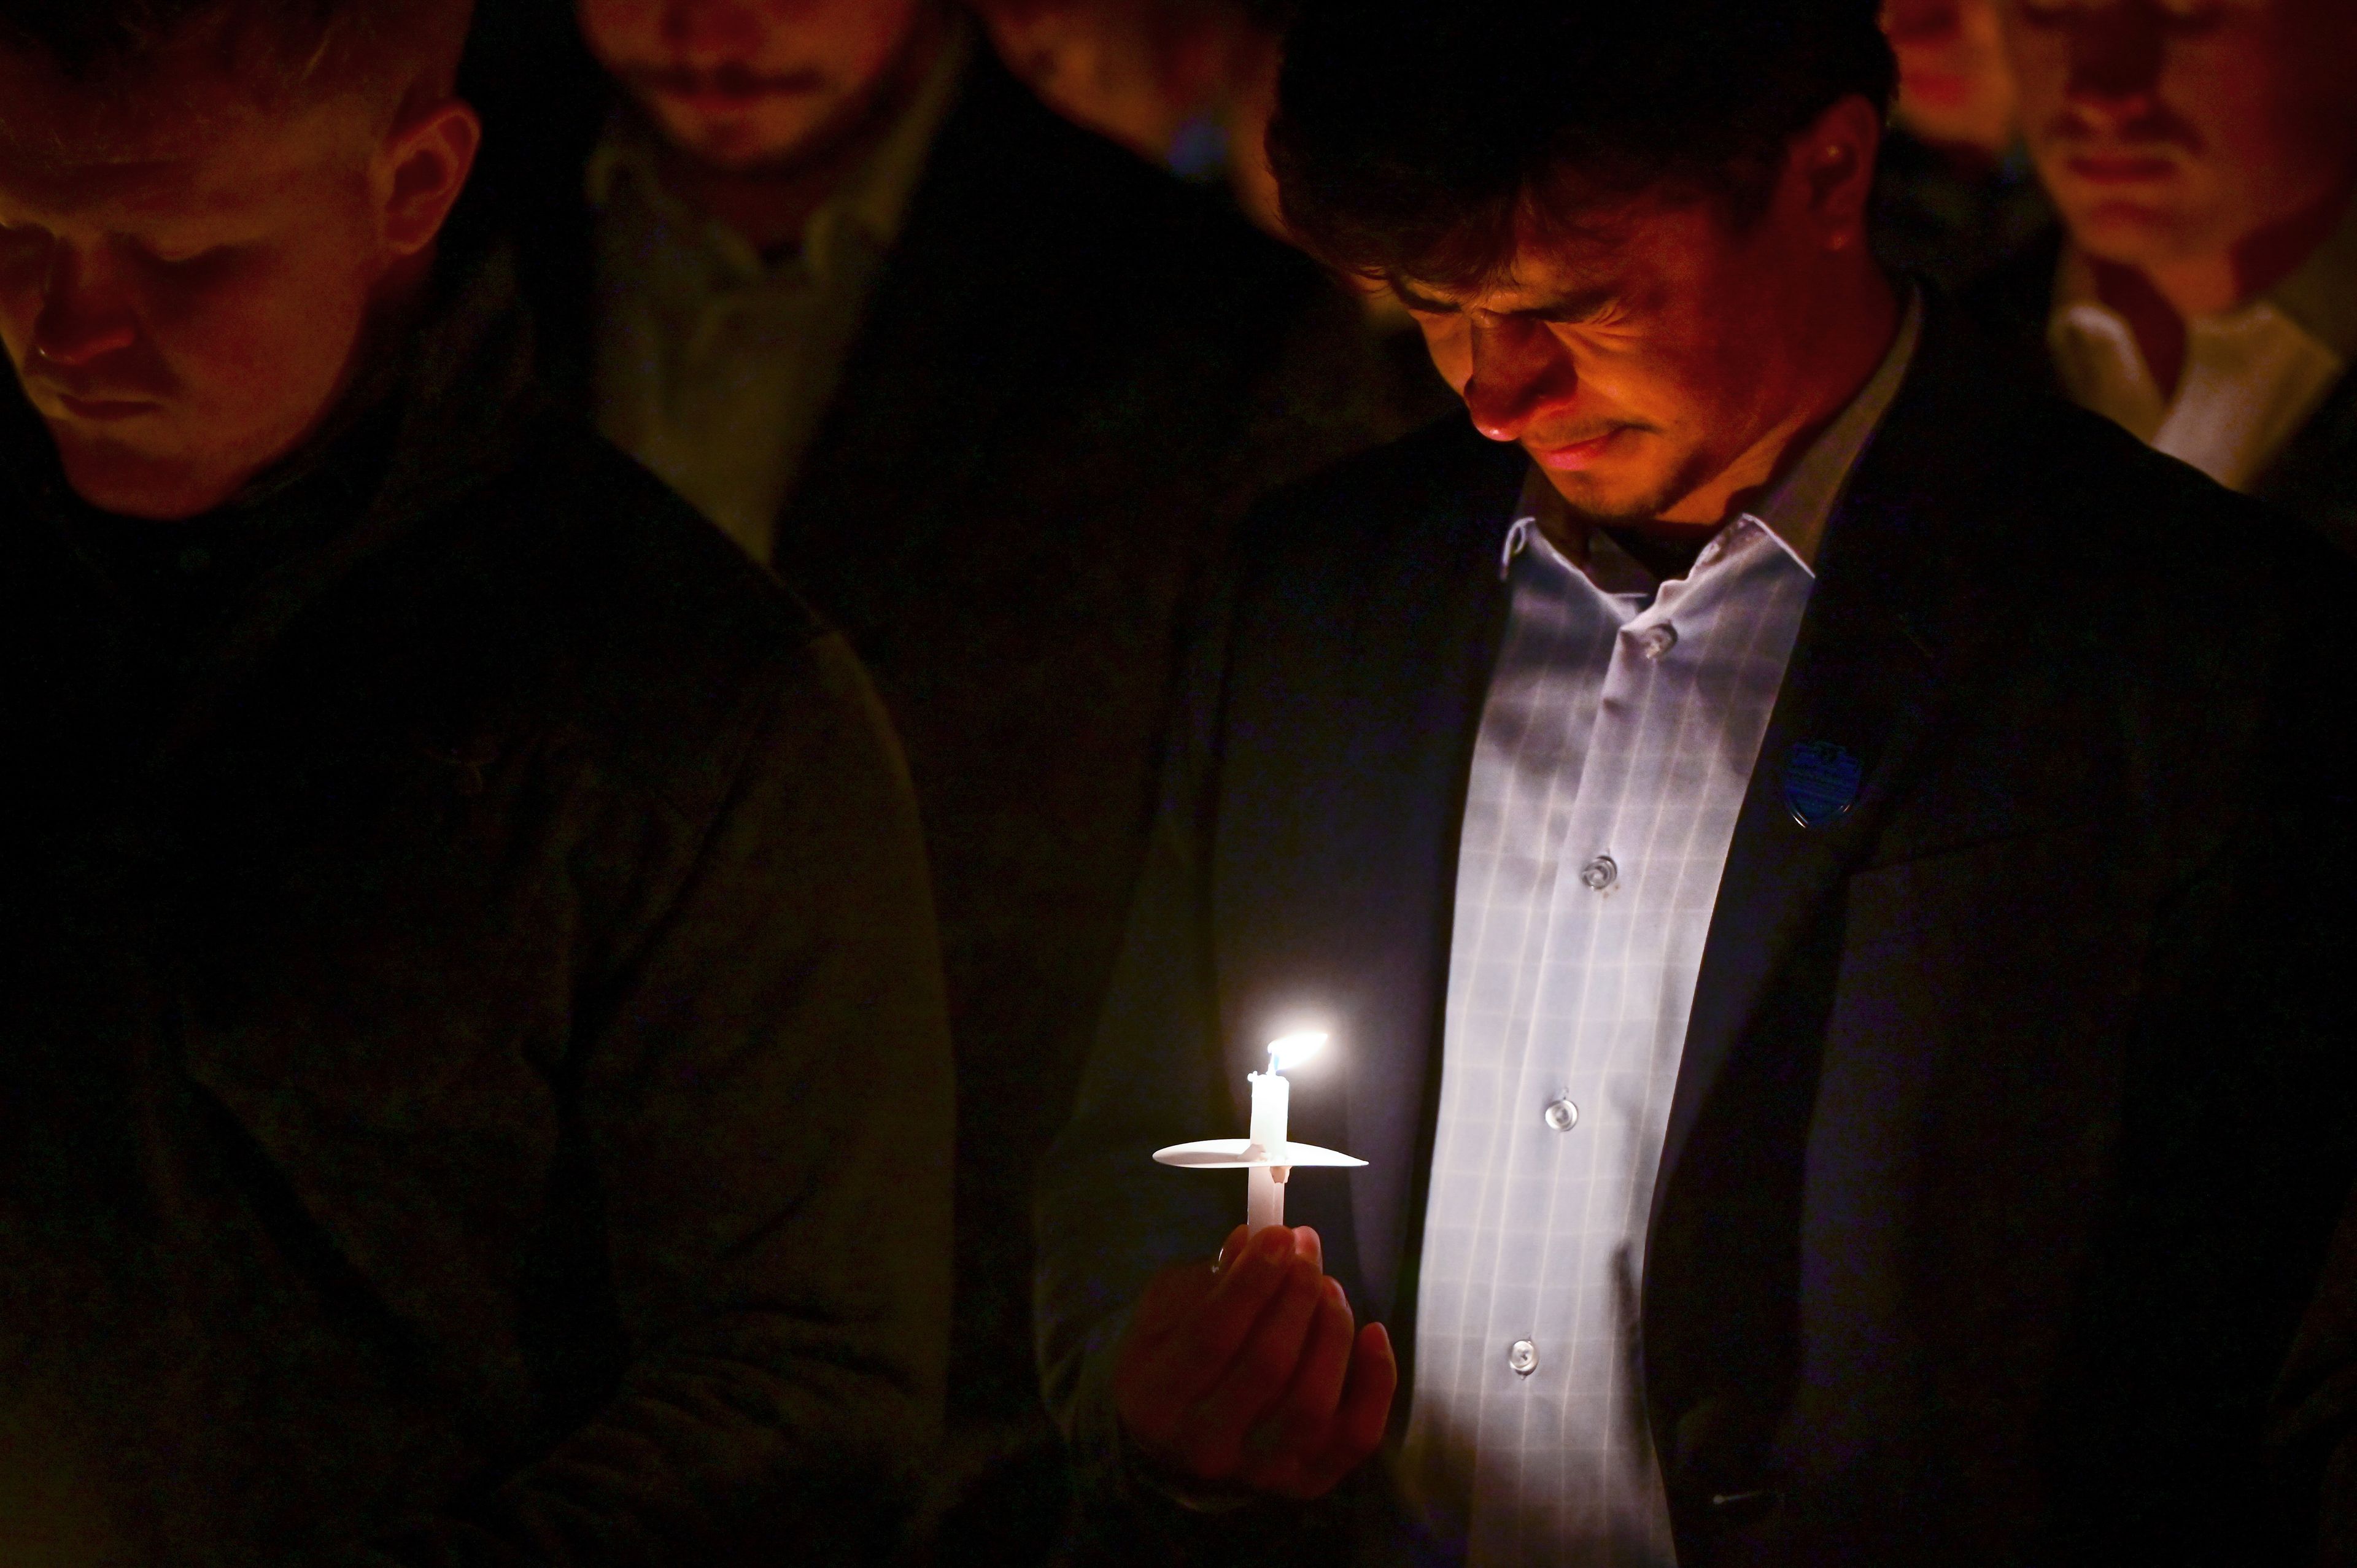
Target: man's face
{"type": "Point", "coordinates": [182, 290]}
{"type": "Point", "coordinates": [1954, 87]}
{"type": "Point", "coordinates": [2173, 130]}
{"type": "Point", "coordinates": [1637, 360]}
{"type": "Point", "coordinates": [747, 84]}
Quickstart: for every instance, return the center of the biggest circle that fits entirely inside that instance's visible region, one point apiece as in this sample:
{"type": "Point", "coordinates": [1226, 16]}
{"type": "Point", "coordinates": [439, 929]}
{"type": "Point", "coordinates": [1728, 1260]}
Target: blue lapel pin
{"type": "Point", "coordinates": [1821, 783]}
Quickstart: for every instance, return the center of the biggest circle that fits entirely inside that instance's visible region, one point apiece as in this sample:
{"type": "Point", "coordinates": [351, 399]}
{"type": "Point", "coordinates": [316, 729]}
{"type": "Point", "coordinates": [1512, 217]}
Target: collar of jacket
{"type": "Point", "coordinates": [1862, 677]}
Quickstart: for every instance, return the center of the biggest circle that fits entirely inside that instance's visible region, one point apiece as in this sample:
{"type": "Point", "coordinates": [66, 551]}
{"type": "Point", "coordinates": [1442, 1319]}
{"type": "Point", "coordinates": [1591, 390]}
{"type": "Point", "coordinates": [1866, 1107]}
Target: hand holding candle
{"type": "Point", "coordinates": [1256, 1372]}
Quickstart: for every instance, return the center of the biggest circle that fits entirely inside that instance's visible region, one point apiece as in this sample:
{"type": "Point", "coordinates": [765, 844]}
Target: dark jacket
{"type": "Point", "coordinates": [2314, 478]}
{"type": "Point", "coordinates": [1949, 225]}
{"type": "Point", "coordinates": [2015, 1108]}
{"type": "Point", "coordinates": [1074, 374]}
{"type": "Point", "coordinates": [476, 1086]}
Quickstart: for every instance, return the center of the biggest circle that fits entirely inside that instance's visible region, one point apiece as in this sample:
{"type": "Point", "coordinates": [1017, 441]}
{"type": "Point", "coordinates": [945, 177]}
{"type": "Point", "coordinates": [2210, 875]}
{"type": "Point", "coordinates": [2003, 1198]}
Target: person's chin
{"type": "Point", "coordinates": [1608, 491]}
{"type": "Point", "coordinates": [742, 138]}
{"type": "Point", "coordinates": [2121, 200]}
{"type": "Point", "coordinates": [2132, 230]}
{"type": "Point", "coordinates": [115, 476]}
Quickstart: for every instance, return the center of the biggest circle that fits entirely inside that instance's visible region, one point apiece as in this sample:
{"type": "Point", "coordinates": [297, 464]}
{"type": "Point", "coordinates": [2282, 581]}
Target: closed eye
{"type": "Point", "coordinates": [177, 258]}
{"type": "Point", "coordinates": [1582, 310]}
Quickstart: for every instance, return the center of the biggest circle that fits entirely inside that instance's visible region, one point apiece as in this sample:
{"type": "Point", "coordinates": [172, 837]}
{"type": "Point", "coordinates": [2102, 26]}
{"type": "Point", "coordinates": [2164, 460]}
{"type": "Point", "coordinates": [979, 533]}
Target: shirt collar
{"type": "Point", "coordinates": [2321, 294]}
{"type": "Point", "coordinates": [872, 202]}
{"type": "Point", "coordinates": [1797, 506]}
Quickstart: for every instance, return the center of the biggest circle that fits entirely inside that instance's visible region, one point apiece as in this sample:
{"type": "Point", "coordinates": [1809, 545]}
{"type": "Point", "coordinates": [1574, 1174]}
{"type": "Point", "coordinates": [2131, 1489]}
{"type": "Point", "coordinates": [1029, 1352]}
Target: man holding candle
{"type": "Point", "coordinates": [1829, 926]}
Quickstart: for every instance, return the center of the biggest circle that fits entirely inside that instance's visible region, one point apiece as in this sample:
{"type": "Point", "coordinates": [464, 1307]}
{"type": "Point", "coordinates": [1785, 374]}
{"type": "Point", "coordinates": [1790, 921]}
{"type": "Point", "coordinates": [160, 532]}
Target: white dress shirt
{"type": "Point", "coordinates": [715, 365]}
{"type": "Point", "coordinates": [2253, 376]}
{"type": "Point", "coordinates": [1617, 742]}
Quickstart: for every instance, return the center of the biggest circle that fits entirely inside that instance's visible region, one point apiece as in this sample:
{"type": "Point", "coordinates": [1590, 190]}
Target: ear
{"type": "Point", "coordinates": [1833, 162]}
{"type": "Point", "coordinates": [421, 167]}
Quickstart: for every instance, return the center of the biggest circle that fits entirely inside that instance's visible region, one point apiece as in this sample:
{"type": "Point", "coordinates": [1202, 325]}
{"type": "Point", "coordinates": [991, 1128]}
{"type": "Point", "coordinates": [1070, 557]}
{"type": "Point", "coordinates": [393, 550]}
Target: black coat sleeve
{"type": "Point", "coordinates": [1108, 1219]}
{"type": "Point", "coordinates": [769, 1104]}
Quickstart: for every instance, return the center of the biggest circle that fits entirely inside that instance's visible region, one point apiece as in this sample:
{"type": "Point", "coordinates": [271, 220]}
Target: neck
{"type": "Point", "coordinates": [771, 204]}
{"type": "Point", "coordinates": [1970, 148]}
{"type": "Point", "coordinates": [2158, 300]}
{"type": "Point", "coordinates": [1846, 337]}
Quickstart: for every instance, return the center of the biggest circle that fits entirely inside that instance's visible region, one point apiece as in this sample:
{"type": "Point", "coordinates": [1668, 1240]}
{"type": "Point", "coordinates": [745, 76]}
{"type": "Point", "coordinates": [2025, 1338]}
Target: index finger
{"type": "Point", "coordinates": [1244, 1287]}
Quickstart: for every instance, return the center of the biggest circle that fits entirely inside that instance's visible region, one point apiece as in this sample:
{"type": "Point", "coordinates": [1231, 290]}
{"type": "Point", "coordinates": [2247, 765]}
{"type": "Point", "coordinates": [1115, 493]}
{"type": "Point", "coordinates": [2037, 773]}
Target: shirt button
{"type": "Point", "coordinates": [1523, 1357]}
{"type": "Point", "coordinates": [1655, 641]}
{"type": "Point", "coordinates": [1562, 1115]}
{"type": "Point", "coordinates": [1600, 872]}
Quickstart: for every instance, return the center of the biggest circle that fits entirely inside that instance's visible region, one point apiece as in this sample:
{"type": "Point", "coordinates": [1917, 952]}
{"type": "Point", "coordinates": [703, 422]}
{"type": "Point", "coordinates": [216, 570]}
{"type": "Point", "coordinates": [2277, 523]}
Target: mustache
{"type": "Point", "coordinates": [730, 80]}
{"type": "Point", "coordinates": [126, 381]}
{"type": "Point", "coordinates": [2153, 128]}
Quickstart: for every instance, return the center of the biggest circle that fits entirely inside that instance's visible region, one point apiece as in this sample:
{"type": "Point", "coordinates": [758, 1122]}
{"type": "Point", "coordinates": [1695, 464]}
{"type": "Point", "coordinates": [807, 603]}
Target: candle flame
{"type": "Point", "coordinates": [1293, 1050]}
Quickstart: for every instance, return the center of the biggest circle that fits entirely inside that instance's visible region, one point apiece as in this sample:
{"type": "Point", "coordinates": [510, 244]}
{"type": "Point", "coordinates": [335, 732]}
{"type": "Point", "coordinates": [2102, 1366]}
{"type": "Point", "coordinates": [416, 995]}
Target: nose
{"type": "Point", "coordinates": [87, 312]}
{"type": "Point", "coordinates": [2116, 58]}
{"type": "Point", "coordinates": [711, 30]}
{"type": "Point", "coordinates": [1520, 371]}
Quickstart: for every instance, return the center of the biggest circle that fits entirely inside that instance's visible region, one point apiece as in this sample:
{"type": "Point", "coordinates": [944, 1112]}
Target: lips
{"type": "Point", "coordinates": [1574, 456]}
{"type": "Point", "coordinates": [2120, 169]}
{"type": "Point", "coordinates": [730, 88]}
{"type": "Point", "coordinates": [99, 409]}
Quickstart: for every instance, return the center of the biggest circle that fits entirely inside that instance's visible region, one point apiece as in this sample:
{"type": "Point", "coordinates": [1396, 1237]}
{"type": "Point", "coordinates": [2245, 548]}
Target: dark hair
{"type": "Point", "coordinates": [283, 47]}
{"type": "Point", "coordinates": [1411, 135]}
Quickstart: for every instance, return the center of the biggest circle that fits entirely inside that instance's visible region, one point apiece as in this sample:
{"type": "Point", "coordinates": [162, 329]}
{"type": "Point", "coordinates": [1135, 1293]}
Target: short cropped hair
{"type": "Point", "coordinates": [285, 49]}
{"type": "Point", "coordinates": [1413, 136]}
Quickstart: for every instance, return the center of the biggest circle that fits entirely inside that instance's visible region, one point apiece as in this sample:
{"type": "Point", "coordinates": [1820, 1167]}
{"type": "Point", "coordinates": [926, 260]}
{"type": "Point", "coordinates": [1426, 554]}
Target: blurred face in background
{"type": "Point", "coordinates": [1955, 89]}
{"type": "Point", "coordinates": [1136, 70]}
{"type": "Point", "coordinates": [746, 85]}
{"type": "Point", "coordinates": [2169, 131]}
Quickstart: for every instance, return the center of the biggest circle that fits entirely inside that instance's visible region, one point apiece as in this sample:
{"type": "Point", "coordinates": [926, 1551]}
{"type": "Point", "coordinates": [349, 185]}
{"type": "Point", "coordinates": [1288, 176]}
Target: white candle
{"type": "Point", "coordinates": [1264, 1201]}
{"type": "Point", "coordinates": [1271, 1101]}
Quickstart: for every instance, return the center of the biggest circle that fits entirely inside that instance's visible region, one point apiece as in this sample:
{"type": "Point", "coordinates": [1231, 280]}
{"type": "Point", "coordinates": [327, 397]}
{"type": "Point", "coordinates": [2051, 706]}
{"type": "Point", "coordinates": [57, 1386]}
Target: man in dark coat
{"type": "Point", "coordinates": [1832, 953]}
{"type": "Point", "coordinates": [2202, 286]}
{"type": "Point", "coordinates": [988, 390]}
{"type": "Point", "coordinates": [476, 1085]}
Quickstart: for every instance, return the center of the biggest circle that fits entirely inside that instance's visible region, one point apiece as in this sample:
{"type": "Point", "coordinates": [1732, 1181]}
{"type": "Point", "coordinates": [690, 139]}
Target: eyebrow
{"type": "Point", "coordinates": [1577, 305]}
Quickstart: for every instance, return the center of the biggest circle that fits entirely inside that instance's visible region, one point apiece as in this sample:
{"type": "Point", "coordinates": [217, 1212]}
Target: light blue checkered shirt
{"type": "Point", "coordinates": [1617, 739]}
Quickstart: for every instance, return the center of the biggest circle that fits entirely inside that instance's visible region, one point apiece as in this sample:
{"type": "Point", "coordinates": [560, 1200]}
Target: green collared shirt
{"type": "Point", "coordinates": [2254, 376]}
{"type": "Point", "coordinates": [714, 365]}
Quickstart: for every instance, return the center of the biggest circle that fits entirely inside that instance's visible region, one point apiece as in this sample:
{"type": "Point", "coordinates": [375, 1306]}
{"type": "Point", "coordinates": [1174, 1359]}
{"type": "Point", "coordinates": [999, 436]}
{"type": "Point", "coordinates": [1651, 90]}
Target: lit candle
{"type": "Point", "coordinates": [1270, 1154]}
{"type": "Point", "coordinates": [1271, 1100]}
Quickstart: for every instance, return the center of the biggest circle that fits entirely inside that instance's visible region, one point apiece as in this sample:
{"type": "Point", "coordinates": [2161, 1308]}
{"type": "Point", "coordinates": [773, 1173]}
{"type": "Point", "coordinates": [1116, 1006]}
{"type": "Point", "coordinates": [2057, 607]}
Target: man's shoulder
{"type": "Point", "coordinates": [614, 611]}
{"type": "Point", "coordinates": [2043, 532]}
{"type": "Point", "coordinates": [623, 536]}
{"type": "Point", "coordinates": [1411, 498]}
{"type": "Point", "coordinates": [1074, 211]}
{"type": "Point", "coordinates": [2007, 307]}
{"type": "Point", "coordinates": [2315, 476]}
{"type": "Point", "coordinates": [2128, 514]}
